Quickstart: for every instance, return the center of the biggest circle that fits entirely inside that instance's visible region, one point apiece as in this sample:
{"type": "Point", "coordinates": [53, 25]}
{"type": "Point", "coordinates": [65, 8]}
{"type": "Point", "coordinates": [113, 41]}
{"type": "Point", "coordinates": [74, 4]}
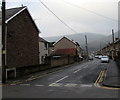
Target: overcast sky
{"type": "Point", "coordinates": [95, 16]}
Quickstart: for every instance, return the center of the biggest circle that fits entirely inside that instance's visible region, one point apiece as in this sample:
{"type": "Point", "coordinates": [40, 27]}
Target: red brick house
{"type": "Point", "coordinates": [22, 39]}
{"type": "Point", "coordinates": [67, 47]}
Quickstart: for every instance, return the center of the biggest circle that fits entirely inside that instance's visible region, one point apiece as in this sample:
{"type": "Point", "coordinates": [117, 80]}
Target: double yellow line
{"type": "Point", "coordinates": [100, 79]}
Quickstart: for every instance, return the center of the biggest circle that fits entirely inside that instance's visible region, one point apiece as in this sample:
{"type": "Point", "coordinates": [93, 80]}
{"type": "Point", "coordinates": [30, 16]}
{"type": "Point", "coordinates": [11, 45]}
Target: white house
{"type": "Point", "coordinates": [43, 50]}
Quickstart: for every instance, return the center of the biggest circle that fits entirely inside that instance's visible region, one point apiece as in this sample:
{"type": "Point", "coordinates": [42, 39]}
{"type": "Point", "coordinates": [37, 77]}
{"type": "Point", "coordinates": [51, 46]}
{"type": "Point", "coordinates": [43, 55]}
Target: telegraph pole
{"type": "Point", "coordinates": [113, 35]}
{"type": "Point", "coordinates": [86, 46]}
{"type": "Point", "coordinates": [100, 49]}
{"type": "Point", "coordinates": [113, 54]}
{"type": "Point", "coordinates": [3, 40]}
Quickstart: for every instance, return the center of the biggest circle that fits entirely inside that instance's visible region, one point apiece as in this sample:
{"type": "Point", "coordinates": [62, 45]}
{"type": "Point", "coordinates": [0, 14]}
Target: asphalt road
{"type": "Point", "coordinates": [76, 81]}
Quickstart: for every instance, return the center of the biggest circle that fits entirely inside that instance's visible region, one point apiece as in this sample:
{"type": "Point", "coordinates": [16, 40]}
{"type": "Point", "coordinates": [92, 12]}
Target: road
{"type": "Point", "coordinates": [77, 81]}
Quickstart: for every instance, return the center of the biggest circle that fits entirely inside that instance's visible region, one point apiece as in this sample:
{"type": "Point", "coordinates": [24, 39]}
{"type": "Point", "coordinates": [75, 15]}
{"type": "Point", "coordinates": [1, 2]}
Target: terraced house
{"type": "Point", "coordinates": [67, 47]}
{"type": "Point", "coordinates": [22, 40]}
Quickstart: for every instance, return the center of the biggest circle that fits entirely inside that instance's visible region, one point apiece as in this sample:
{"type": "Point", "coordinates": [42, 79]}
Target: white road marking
{"type": "Point", "coordinates": [25, 84]}
{"type": "Point", "coordinates": [70, 85]}
{"type": "Point", "coordinates": [39, 85]}
{"type": "Point", "coordinates": [86, 85]}
{"type": "Point", "coordinates": [12, 84]}
{"type": "Point", "coordinates": [76, 71]}
{"type": "Point", "coordinates": [61, 79]}
{"type": "Point", "coordinates": [85, 66]}
{"type": "Point", "coordinates": [55, 84]}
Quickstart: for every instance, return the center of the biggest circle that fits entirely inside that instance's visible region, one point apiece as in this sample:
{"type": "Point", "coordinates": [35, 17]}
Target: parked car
{"type": "Point", "coordinates": [105, 59]}
{"type": "Point", "coordinates": [81, 58]}
{"type": "Point", "coordinates": [96, 56]}
{"type": "Point", "coordinates": [90, 57]}
{"type": "Point", "coordinates": [100, 56]}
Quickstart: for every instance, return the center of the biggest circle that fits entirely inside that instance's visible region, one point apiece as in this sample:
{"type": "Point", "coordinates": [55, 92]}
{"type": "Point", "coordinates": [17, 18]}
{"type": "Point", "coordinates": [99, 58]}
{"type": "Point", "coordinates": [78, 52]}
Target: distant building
{"type": "Point", "coordinates": [112, 50]}
{"type": "Point", "coordinates": [43, 50]}
{"type": "Point", "coordinates": [66, 46]}
{"type": "Point", "coordinates": [51, 48]}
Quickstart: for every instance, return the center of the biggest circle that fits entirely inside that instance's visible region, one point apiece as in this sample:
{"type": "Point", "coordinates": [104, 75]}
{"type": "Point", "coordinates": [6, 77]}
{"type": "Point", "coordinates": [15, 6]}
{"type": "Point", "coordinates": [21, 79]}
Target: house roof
{"type": "Point", "coordinates": [51, 44]}
{"type": "Point", "coordinates": [43, 40]}
{"type": "Point", "coordinates": [13, 12]}
{"type": "Point", "coordinates": [67, 39]}
{"type": "Point", "coordinates": [10, 13]}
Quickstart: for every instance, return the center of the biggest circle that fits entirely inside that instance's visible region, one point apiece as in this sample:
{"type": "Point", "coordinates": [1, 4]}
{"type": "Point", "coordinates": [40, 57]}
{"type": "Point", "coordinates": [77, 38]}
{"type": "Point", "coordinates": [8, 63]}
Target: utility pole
{"type": "Point", "coordinates": [113, 35]}
{"type": "Point", "coordinates": [113, 54]}
{"type": "Point", "coordinates": [3, 40]}
{"type": "Point", "coordinates": [86, 47]}
{"type": "Point", "coordinates": [100, 49]}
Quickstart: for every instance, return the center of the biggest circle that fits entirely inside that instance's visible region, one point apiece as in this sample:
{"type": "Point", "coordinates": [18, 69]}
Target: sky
{"type": "Point", "coordinates": [94, 16]}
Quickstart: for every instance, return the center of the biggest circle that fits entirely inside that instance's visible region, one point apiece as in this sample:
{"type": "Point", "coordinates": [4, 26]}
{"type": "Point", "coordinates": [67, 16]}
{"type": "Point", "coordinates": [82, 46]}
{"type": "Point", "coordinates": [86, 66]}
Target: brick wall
{"type": "Point", "coordinates": [22, 42]}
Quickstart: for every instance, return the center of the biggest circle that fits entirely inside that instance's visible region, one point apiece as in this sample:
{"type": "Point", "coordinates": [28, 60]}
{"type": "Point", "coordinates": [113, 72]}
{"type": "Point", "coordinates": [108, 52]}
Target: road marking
{"type": "Point", "coordinates": [25, 84]}
{"type": "Point", "coordinates": [56, 84]}
{"type": "Point", "coordinates": [76, 71]}
{"type": "Point", "coordinates": [86, 85]}
{"type": "Point", "coordinates": [70, 85]}
{"type": "Point", "coordinates": [61, 79]}
{"type": "Point", "coordinates": [100, 79]}
{"type": "Point", "coordinates": [39, 85]}
{"type": "Point", "coordinates": [85, 66]}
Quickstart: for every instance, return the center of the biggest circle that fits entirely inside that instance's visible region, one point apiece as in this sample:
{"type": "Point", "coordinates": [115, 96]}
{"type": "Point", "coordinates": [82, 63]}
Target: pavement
{"type": "Point", "coordinates": [112, 78]}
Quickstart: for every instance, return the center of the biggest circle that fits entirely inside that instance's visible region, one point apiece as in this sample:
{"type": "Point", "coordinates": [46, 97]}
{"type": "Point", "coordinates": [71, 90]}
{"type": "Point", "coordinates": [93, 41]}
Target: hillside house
{"type": "Point", "coordinates": [66, 46]}
{"type": "Point", "coordinates": [111, 50]}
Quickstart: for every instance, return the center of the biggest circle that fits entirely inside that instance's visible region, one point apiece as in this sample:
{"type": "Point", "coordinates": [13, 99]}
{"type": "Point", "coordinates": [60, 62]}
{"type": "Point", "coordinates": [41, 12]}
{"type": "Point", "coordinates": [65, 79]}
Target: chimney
{"type": "Point", "coordinates": [22, 5]}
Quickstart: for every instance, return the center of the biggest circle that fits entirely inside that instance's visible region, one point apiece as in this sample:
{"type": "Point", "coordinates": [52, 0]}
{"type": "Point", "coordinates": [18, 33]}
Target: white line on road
{"type": "Point", "coordinates": [55, 84]}
{"type": "Point", "coordinates": [76, 71]}
{"type": "Point", "coordinates": [25, 84]}
{"type": "Point", "coordinates": [70, 85]}
{"type": "Point", "coordinates": [86, 85]}
{"type": "Point", "coordinates": [85, 66]}
{"type": "Point", "coordinates": [61, 79]}
{"type": "Point", "coordinates": [39, 85]}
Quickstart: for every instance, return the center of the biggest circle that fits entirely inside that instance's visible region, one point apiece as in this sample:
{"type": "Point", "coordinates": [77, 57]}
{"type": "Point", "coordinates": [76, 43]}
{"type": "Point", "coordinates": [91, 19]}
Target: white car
{"type": "Point", "coordinates": [105, 59]}
{"type": "Point", "coordinates": [100, 56]}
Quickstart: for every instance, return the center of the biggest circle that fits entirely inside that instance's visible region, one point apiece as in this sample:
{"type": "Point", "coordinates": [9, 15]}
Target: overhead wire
{"type": "Point", "coordinates": [90, 11]}
{"type": "Point", "coordinates": [58, 17]}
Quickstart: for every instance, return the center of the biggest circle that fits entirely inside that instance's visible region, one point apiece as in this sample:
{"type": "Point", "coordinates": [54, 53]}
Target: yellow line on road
{"type": "Point", "coordinates": [30, 78]}
{"type": "Point", "coordinates": [100, 79]}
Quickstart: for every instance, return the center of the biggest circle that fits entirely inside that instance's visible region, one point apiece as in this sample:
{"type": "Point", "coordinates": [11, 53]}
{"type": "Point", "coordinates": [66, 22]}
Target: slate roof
{"type": "Point", "coordinates": [43, 40]}
{"type": "Point", "coordinates": [11, 12]}
{"type": "Point", "coordinates": [67, 39]}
